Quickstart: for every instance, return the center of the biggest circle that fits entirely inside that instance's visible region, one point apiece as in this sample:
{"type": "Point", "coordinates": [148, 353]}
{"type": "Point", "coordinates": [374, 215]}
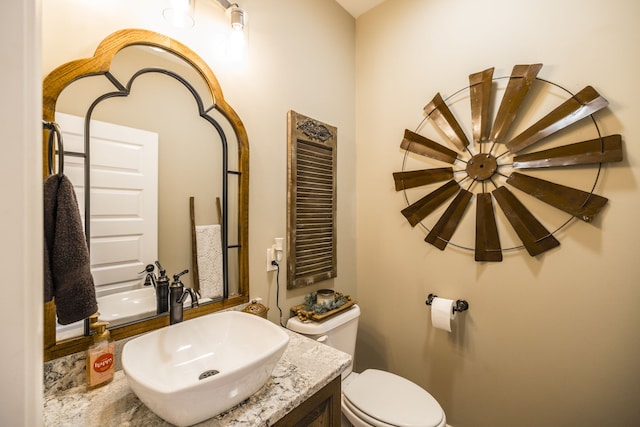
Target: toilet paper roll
{"type": "Point", "coordinates": [442, 313]}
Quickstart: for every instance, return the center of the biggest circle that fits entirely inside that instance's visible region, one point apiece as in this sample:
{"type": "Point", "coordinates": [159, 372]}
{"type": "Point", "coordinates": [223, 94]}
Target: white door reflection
{"type": "Point", "coordinates": [124, 218]}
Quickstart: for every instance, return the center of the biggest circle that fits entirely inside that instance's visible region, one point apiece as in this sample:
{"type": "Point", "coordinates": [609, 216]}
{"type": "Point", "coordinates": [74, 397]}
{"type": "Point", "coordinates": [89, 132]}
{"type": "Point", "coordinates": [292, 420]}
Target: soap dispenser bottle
{"type": "Point", "coordinates": [101, 354]}
{"type": "Point", "coordinates": [176, 298]}
{"type": "Point", "coordinates": [162, 291]}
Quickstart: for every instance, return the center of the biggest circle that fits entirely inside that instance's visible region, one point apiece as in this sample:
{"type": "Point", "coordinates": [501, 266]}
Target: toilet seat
{"type": "Point", "coordinates": [358, 418]}
{"type": "Point", "coordinates": [383, 399]}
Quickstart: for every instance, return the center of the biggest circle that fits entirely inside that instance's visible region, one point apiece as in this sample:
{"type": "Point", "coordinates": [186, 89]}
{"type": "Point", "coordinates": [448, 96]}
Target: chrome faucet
{"type": "Point", "coordinates": [177, 294]}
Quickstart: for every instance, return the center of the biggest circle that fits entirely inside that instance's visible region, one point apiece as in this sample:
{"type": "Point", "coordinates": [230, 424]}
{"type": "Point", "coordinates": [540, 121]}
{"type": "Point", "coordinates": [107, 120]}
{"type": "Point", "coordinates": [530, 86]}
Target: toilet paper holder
{"type": "Point", "coordinates": [460, 306]}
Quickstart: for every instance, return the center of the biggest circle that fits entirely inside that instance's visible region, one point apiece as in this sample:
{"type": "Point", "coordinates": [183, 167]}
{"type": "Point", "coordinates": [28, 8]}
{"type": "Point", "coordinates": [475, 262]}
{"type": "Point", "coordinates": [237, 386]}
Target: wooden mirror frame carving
{"type": "Point", "coordinates": [99, 64]}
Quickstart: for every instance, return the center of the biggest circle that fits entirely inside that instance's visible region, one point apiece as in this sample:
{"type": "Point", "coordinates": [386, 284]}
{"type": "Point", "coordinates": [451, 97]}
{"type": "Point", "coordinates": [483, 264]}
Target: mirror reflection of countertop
{"type": "Point", "coordinates": [305, 367]}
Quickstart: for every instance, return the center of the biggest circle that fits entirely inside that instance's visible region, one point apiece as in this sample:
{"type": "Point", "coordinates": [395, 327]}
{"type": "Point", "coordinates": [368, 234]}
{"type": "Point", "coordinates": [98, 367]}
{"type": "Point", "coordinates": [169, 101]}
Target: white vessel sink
{"type": "Point", "coordinates": [194, 370]}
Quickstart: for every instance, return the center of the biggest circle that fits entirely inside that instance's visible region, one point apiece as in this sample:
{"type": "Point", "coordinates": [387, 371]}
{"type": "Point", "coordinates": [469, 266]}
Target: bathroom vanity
{"type": "Point", "coordinates": [304, 389]}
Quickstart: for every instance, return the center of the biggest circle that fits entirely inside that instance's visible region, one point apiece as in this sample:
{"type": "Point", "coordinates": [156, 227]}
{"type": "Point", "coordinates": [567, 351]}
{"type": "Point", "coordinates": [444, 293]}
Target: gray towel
{"type": "Point", "coordinates": [67, 267]}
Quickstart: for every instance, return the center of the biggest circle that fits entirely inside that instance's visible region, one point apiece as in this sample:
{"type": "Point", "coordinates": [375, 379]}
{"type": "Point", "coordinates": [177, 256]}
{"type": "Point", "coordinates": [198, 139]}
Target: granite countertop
{"type": "Point", "coordinates": [305, 367]}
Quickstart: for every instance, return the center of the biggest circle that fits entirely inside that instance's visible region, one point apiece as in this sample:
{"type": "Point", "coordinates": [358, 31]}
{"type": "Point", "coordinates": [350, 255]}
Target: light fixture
{"type": "Point", "coordinates": [180, 13]}
{"type": "Point", "coordinates": [236, 48]}
{"type": "Point", "coordinates": [236, 17]}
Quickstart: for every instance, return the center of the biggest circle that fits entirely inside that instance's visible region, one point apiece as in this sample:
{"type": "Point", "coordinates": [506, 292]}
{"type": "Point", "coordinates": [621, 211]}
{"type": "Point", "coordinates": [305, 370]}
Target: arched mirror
{"type": "Point", "coordinates": [157, 158]}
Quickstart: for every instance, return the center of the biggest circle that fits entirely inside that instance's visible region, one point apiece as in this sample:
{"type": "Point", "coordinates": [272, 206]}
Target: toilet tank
{"type": "Point", "coordinates": [338, 331]}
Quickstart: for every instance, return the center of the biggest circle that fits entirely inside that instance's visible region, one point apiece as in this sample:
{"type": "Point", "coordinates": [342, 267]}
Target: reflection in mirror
{"type": "Point", "coordinates": [159, 137]}
{"type": "Point", "coordinates": [150, 152]}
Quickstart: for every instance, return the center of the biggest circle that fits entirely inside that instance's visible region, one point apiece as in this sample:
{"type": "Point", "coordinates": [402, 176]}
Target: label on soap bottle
{"type": "Point", "coordinates": [103, 363]}
{"type": "Point", "coordinates": [100, 364]}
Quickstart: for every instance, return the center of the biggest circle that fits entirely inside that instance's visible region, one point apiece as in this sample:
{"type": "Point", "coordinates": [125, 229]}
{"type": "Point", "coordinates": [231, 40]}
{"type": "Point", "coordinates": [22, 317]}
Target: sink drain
{"type": "Point", "coordinates": [207, 374]}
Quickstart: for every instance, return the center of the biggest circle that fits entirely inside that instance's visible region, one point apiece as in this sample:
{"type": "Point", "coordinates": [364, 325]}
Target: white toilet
{"type": "Point", "coordinates": [373, 397]}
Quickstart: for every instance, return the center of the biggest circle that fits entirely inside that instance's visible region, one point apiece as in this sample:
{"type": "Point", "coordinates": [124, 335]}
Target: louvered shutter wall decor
{"type": "Point", "coordinates": [311, 230]}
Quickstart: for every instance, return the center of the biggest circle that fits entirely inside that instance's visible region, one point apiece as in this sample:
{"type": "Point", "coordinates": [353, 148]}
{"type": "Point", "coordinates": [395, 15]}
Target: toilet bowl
{"type": "Point", "coordinates": [373, 397]}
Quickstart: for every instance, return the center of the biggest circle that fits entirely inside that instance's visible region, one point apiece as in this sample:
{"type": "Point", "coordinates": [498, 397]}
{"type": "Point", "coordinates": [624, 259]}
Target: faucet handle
{"type": "Point", "coordinates": [148, 269]}
{"type": "Point", "coordinates": [176, 277]}
{"type": "Point", "coordinates": [162, 270]}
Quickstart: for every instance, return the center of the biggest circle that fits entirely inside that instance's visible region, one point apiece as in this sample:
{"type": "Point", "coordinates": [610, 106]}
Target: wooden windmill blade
{"type": "Point", "coordinates": [442, 232]}
{"type": "Point", "coordinates": [418, 178]}
{"type": "Point", "coordinates": [535, 237]}
{"type": "Point", "coordinates": [487, 239]}
{"type": "Point", "coordinates": [600, 150]}
{"type": "Point", "coordinates": [520, 81]}
{"type": "Point", "coordinates": [444, 119]}
{"type": "Point", "coordinates": [419, 210]}
{"type": "Point", "coordinates": [580, 204]}
{"type": "Point", "coordinates": [581, 105]}
{"type": "Point", "coordinates": [480, 97]}
{"type": "Point", "coordinates": [423, 146]}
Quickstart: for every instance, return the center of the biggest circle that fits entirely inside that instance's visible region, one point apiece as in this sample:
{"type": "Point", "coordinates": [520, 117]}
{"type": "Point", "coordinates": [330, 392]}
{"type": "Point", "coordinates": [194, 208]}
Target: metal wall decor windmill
{"type": "Point", "coordinates": [494, 161]}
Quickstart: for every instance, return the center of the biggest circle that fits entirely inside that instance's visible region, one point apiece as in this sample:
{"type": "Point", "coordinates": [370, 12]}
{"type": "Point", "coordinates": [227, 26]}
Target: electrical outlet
{"type": "Point", "coordinates": [271, 256]}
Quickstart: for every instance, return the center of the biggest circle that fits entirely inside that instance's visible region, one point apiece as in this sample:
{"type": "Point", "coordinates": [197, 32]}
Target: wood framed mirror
{"type": "Point", "coordinates": [190, 74]}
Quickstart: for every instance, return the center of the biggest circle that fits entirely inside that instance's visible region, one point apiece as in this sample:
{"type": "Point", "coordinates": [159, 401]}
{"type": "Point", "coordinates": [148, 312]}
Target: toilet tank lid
{"type": "Point", "coordinates": [324, 326]}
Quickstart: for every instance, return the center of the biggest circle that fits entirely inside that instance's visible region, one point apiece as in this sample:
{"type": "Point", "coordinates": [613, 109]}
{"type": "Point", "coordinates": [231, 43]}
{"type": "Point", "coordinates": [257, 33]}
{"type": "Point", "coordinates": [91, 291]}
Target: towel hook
{"type": "Point", "coordinates": [54, 133]}
{"type": "Point", "coordinates": [460, 305]}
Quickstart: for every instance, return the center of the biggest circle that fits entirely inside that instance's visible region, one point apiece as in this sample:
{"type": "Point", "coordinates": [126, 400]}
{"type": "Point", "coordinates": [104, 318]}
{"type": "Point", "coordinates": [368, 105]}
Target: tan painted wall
{"type": "Point", "coordinates": [551, 340]}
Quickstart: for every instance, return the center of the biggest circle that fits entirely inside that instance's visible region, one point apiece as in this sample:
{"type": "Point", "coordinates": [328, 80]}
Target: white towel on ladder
{"type": "Point", "coordinates": [209, 250]}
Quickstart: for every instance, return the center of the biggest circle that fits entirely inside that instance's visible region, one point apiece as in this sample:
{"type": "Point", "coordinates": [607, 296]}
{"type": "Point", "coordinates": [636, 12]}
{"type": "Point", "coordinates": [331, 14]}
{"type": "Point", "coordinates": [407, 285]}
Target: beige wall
{"type": "Point", "coordinates": [21, 217]}
{"type": "Point", "coordinates": [551, 340]}
{"type": "Point", "coordinates": [294, 63]}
